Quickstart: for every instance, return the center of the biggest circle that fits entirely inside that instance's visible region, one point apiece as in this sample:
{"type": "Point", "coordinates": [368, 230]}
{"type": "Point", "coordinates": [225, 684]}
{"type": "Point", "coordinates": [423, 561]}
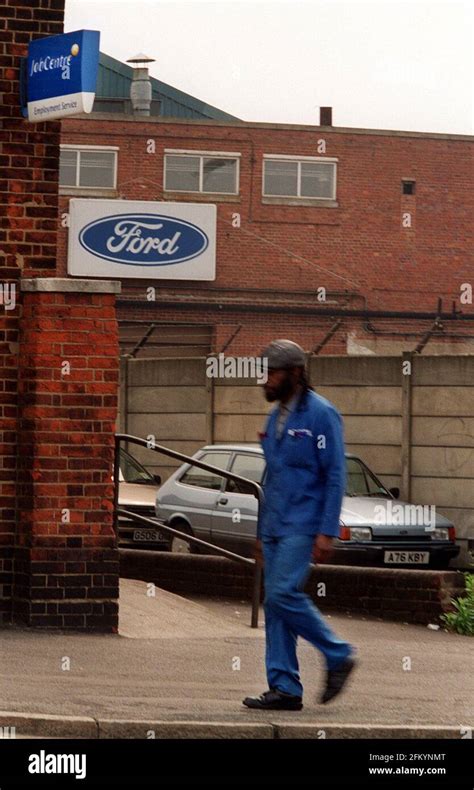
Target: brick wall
{"type": "Point", "coordinates": [357, 250]}
{"type": "Point", "coordinates": [58, 560]}
{"type": "Point", "coordinates": [28, 210]}
{"type": "Point", "coordinates": [29, 153]}
{"type": "Point", "coordinates": [66, 571]}
{"type": "Point", "coordinates": [409, 596]}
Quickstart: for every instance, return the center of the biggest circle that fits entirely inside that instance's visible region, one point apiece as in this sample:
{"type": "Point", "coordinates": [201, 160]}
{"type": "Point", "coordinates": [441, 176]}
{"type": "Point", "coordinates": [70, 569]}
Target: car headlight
{"type": "Point", "coordinates": [354, 533]}
{"type": "Point", "coordinates": [440, 533]}
{"type": "Point", "coordinates": [360, 533]}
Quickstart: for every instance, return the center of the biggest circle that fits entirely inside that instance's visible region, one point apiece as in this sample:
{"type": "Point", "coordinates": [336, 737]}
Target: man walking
{"type": "Point", "coordinates": [305, 480]}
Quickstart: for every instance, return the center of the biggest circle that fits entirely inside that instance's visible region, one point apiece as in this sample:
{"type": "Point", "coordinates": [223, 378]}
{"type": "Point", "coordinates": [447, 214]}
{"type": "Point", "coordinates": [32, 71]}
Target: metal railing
{"type": "Point", "coordinates": [258, 493]}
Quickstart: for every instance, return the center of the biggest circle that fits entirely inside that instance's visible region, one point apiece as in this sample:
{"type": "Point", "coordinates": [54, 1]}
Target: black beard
{"type": "Point", "coordinates": [282, 392]}
{"type": "Point", "coordinates": [270, 397]}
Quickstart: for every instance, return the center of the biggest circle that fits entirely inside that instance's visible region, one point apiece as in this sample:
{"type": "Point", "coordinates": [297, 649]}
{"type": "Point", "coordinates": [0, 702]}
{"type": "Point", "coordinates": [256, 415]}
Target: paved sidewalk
{"type": "Point", "coordinates": [173, 662]}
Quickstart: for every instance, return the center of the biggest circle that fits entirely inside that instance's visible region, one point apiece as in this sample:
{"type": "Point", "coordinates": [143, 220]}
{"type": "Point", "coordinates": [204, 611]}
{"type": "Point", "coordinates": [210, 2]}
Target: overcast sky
{"type": "Point", "coordinates": [383, 65]}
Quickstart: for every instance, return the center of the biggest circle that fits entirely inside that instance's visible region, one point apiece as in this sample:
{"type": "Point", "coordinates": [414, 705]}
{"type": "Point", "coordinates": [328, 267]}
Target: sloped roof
{"type": "Point", "coordinates": [113, 82]}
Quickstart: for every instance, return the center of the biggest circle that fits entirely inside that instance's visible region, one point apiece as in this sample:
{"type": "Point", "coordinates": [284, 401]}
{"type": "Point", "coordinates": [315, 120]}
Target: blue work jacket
{"type": "Point", "coordinates": [306, 470]}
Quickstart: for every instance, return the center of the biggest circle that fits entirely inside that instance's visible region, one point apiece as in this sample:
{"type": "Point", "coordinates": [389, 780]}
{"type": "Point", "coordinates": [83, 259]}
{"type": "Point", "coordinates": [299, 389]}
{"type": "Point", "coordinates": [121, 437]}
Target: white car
{"type": "Point", "coordinates": [138, 490]}
{"type": "Point", "coordinates": [376, 528]}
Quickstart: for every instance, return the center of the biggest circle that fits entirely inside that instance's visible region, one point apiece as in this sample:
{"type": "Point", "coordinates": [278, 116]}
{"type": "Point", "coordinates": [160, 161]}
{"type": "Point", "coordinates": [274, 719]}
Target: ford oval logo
{"type": "Point", "coordinates": [143, 239]}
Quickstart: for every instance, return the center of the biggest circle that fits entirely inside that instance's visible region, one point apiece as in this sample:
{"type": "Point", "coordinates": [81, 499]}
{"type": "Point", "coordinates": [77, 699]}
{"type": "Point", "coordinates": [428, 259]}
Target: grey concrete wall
{"type": "Point", "coordinates": [443, 438]}
{"type": "Point", "coordinates": [414, 429]}
{"type": "Point", "coordinates": [367, 391]}
{"type": "Point", "coordinates": [167, 399]}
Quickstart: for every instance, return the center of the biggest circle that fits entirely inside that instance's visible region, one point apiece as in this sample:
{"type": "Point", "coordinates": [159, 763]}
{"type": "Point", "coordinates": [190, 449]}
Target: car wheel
{"type": "Point", "coordinates": [178, 545]}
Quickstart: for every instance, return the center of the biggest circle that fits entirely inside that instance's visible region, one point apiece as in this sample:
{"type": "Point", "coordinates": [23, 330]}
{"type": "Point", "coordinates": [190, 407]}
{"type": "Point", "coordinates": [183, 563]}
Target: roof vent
{"type": "Point", "coordinates": [140, 89]}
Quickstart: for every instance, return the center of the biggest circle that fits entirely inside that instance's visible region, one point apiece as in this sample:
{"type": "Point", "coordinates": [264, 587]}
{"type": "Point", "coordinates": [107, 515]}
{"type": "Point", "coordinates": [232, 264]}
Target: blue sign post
{"type": "Point", "coordinates": [62, 75]}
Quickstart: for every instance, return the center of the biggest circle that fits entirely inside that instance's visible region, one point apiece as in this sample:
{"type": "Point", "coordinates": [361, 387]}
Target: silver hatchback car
{"type": "Point", "coordinates": [376, 528]}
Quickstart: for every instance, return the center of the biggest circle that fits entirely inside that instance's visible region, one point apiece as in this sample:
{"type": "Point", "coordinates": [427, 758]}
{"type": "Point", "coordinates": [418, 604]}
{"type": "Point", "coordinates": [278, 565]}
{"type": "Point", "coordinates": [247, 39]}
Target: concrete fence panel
{"type": "Point", "coordinates": [410, 418]}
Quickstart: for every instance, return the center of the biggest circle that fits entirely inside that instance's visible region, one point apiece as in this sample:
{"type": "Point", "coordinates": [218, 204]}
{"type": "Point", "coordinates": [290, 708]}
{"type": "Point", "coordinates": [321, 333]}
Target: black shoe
{"type": "Point", "coordinates": [274, 700]}
{"type": "Point", "coordinates": [336, 680]}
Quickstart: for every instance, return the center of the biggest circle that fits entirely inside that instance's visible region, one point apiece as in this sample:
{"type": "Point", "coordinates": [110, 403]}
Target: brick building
{"type": "Point", "coordinates": [344, 239]}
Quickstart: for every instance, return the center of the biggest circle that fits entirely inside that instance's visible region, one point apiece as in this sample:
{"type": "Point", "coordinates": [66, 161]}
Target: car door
{"type": "Point", "coordinates": [196, 491]}
{"type": "Point", "coordinates": [234, 518]}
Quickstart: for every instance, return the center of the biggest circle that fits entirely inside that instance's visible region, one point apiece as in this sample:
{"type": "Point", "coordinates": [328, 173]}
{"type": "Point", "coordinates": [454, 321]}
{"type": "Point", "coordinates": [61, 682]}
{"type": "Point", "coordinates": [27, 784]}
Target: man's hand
{"type": "Point", "coordinates": [258, 553]}
{"type": "Point", "coordinates": [322, 548]}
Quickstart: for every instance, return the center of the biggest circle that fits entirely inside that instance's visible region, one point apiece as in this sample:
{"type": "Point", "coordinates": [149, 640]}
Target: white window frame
{"type": "Point", "coordinates": [71, 147]}
{"type": "Point", "coordinates": [299, 159]}
{"type": "Point", "coordinates": [202, 155]}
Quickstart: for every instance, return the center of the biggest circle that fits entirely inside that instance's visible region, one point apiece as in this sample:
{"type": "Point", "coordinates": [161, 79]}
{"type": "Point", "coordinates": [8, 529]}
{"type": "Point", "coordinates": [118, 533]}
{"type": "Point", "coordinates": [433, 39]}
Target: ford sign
{"type": "Point", "coordinates": [143, 239]}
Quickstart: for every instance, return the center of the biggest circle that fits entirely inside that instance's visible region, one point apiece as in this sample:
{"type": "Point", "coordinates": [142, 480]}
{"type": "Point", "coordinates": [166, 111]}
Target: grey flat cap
{"type": "Point", "coordinates": [284, 354]}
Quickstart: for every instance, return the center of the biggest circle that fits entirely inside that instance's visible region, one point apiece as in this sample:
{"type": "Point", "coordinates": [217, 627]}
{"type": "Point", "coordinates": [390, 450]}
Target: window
{"type": "Point", "coordinates": [202, 478]}
{"type": "Point", "coordinates": [361, 481]}
{"type": "Point", "coordinates": [251, 466]}
{"type": "Point", "coordinates": [133, 472]}
{"type": "Point", "coordinates": [88, 167]}
{"type": "Point", "coordinates": [308, 177]}
{"type": "Point", "coordinates": [208, 173]}
{"type": "Point", "coordinates": [408, 187]}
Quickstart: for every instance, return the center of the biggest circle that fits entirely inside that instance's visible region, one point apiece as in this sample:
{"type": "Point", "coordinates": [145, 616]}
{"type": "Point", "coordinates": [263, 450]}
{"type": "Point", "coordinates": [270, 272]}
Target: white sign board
{"type": "Point", "coordinates": [142, 239]}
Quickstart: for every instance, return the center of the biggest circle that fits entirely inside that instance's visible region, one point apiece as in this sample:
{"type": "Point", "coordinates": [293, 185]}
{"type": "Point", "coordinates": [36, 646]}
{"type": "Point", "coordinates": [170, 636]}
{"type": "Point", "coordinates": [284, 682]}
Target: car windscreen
{"type": "Point", "coordinates": [362, 482]}
{"type": "Point", "coordinates": [131, 471]}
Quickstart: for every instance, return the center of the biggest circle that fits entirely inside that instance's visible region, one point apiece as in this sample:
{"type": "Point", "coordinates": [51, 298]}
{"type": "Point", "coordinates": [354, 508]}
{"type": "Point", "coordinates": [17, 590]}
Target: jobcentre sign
{"type": "Point", "coordinates": [142, 239]}
{"type": "Point", "coordinates": [61, 75]}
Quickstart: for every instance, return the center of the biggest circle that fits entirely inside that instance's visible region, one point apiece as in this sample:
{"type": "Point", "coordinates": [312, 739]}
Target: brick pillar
{"type": "Point", "coordinates": [58, 560]}
{"type": "Point", "coordinates": [29, 161]}
{"type": "Point", "coordinates": [66, 560]}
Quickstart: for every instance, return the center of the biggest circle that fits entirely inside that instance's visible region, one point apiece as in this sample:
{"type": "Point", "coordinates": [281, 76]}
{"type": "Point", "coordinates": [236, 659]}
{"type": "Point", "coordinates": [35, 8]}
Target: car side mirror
{"type": "Point", "coordinates": [157, 479]}
{"type": "Point", "coordinates": [395, 492]}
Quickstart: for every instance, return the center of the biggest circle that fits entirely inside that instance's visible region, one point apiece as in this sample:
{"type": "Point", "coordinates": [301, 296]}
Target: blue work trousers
{"type": "Point", "coordinates": [290, 613]}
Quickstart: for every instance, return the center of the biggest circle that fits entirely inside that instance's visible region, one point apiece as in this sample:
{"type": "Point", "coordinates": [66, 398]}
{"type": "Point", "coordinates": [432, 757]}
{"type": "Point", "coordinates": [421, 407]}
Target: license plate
{"type": "Point", "coordinates": [407, 557]}
{"type": "Point", "coordinates": [148, 535]}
